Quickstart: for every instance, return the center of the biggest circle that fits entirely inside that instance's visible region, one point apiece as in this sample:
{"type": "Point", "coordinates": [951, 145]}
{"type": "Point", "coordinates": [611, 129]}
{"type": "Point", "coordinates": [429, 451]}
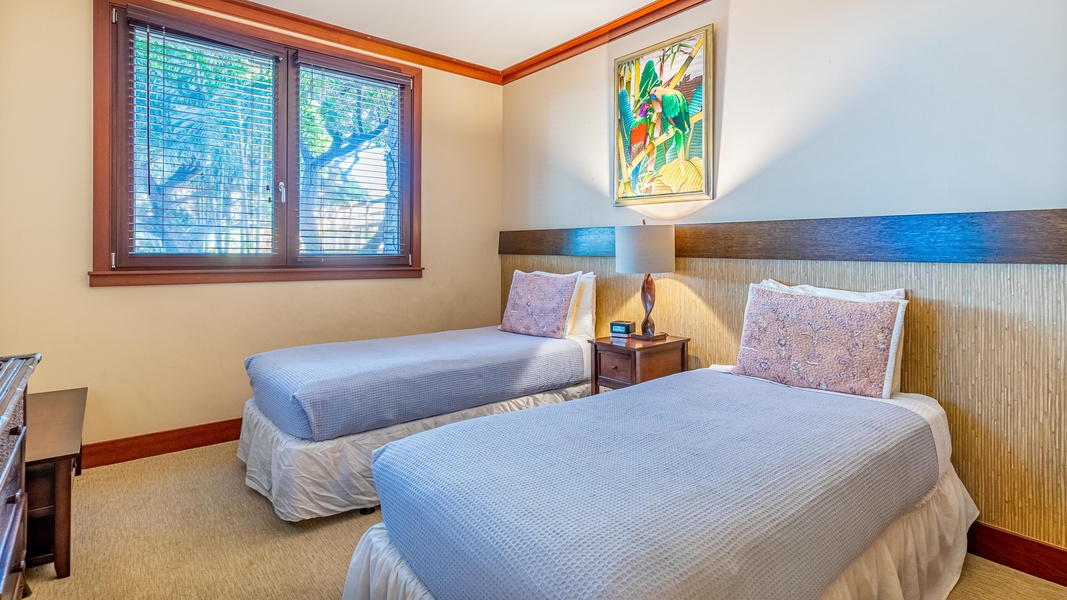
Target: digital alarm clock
{"type": "Point", "coordinates": [622, 328]}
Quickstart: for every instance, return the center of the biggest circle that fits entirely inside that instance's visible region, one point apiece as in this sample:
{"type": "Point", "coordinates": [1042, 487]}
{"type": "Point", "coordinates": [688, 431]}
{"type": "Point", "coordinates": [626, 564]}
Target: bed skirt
{"type": "Point", "coordinates": [918, 557]}
{"type": "Point", "coordinates": [305, 479]}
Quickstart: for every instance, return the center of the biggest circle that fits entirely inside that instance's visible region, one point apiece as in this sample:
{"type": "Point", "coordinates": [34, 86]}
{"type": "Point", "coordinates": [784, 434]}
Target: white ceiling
{"type": "Point", "coordinates": [491, 33]}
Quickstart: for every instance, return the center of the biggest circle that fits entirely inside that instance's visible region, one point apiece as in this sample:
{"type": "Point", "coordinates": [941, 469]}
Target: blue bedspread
{"type": "Point", "coordinates": [698, 485]}
{"type": "Point", "coordinates": [326, 391]}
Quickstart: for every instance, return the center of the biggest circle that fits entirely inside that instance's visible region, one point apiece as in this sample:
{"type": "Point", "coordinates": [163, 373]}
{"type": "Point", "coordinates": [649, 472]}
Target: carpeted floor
{"type": "Point", "coordinates": [185, 526]}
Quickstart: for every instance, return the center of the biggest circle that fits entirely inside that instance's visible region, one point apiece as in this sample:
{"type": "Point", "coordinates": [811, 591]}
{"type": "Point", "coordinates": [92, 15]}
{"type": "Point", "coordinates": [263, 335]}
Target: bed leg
{"type": "Point", "coordinates": [367, 511]}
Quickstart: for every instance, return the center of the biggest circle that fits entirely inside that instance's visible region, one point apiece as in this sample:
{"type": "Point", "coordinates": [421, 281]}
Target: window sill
{"type": "Point", "coordinates": [197, 276]}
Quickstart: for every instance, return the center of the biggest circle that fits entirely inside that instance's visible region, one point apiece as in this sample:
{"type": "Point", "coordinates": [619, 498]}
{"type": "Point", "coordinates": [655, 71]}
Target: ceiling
{"type": "Point", "coordinates": [491, 33]}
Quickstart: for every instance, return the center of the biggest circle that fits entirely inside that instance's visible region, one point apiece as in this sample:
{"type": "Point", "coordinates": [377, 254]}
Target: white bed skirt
{"type": "Point", "coordinates": [918, 557]}
{"type": "Point", "coordinates": [305, 479]}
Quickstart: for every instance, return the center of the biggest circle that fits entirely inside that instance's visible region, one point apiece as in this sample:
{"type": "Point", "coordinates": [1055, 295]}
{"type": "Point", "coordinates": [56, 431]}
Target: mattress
{"type": "Point", "coordinates": [697, 485]}
{"type": "Point", "coordinates": [326, 391]}
{"type": "Point", "coordinates": [918, 557]}
{"type": "Point", "coordinates": [305, 479]}
{"type": "Point", "coordinates": [924, 406]}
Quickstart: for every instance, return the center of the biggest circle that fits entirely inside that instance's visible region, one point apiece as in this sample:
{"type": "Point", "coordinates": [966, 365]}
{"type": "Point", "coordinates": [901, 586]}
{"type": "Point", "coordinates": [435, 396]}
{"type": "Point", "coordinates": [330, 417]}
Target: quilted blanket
{"type": "Point", "coordinates": [325, 391]}
{"type": "Point", "coordinates": [698, 485]}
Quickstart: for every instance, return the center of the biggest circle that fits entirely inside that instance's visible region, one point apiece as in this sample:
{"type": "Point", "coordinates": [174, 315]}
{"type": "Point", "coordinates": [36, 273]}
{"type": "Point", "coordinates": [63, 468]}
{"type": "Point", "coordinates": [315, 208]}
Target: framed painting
{"type": "Point", "coordinates": [663, 135]}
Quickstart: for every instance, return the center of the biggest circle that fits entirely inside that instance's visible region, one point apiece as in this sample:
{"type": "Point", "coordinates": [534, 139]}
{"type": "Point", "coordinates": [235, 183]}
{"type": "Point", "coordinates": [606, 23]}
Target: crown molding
{"type": "Point", "coordinates": [627, 24]}
{"type": "Point", "coordinates": [273, 18]}
{"type": "Point", "coordinates": [276, 19]}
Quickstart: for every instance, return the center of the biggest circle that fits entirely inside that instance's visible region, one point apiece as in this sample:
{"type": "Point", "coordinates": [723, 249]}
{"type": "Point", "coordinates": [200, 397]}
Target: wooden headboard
{"type": "Point", "coordinates": [1018, 237]}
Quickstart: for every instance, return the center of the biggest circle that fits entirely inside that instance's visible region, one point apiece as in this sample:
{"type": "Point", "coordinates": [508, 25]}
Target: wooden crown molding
{"type": "Point", "coordinates": [270, 17]}
{"type": "Point", "coordinates": [1005, 237]}
{"type": "Point", "coordinates": [273, 18]}
{"type": "Point", "coordinates": [627, 24]}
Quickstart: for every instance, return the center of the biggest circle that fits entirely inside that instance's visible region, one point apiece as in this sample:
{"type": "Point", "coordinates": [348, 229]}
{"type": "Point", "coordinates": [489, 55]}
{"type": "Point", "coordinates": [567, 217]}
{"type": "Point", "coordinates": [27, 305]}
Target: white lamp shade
{"type": "Point", "coordinates": [644, 249]}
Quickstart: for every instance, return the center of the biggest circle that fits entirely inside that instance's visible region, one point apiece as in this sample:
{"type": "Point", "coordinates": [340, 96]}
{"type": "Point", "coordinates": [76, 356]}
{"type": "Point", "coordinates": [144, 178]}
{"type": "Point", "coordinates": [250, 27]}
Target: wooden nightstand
{"type": "Point", "coordinates": [619, 363]}
{"type": "Point", "coordinates": [53, 457]}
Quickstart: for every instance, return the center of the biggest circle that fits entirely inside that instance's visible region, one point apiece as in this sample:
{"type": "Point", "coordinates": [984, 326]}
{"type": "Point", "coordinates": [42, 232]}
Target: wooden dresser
{"type": "Point", "coordinates": [15, 371]}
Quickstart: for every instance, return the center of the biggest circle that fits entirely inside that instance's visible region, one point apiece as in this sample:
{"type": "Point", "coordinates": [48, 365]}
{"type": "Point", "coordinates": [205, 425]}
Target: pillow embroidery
{"type": "Point", "coordinates": [886, 295]}
{"type": "Point", "coordinates": [823, 343]}
{"type": "Point", "coordinates": [539, 304]}
{"type": "Point", "coordinates": [582, 322]}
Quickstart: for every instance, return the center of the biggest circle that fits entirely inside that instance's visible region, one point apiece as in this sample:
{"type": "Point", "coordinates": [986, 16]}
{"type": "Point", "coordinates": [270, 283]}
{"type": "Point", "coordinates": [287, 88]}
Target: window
{"type": "Point", "coordinates": [235, 158]}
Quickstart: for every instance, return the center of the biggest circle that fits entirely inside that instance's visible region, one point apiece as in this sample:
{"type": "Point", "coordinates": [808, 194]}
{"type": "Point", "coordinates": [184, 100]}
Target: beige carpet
{"type": "Point", "coordinates": [185, 526]}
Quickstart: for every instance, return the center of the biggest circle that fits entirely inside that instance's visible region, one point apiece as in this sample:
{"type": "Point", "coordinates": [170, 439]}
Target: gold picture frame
{"type": "Point", "coordinates": [662, 148]}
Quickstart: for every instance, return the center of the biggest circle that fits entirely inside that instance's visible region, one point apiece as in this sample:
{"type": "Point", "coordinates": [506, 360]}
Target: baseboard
{"type": "Point", "coordinates": [162, 442]}
{"type": "Point", "coordinates": [1018, 552]}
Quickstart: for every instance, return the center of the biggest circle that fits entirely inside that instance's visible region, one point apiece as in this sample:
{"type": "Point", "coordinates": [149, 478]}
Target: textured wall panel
{"type": "Point", "coordinates": [989, 341]}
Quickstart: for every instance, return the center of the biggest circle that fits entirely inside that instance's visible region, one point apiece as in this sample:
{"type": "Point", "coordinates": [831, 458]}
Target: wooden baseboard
{"type": "Point", "coordinates": [1018, 552]}
{"type": "Point", "coordinates": [162, 442]}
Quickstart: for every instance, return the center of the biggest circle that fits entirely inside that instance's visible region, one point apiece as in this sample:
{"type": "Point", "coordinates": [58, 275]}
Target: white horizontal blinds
{"type": "Point", "coordinates": [350, 164]}
{"type": "Point", "coordinates": [202, 144]}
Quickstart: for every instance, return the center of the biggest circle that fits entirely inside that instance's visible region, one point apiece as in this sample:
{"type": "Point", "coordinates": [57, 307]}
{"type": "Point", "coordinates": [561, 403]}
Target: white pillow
{"type": "Point", "coordinates": [583, 315]}
{"type": "Point", "coordinates": [832, 293]}
{"type": "Point", "coordinates": [853, 297]}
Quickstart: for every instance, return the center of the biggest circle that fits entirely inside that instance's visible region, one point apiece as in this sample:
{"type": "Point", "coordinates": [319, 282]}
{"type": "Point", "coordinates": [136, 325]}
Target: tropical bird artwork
{"type": "Point", "coordinates": [672, 108]}
{"type": "Point", "coordinates": [660, 143]}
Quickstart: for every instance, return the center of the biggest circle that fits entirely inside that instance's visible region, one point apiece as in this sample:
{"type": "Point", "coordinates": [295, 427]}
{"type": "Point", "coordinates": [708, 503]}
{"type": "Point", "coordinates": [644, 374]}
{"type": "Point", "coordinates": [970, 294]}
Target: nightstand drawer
{"type": "Point", "coordinates": [619, 363]}
{"type": "Point", "coordinates": [615, 366]}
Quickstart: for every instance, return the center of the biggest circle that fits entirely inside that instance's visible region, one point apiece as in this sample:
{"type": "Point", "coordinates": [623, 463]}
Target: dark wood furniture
{"type": "Point", "coordinates": [15, 372]}
{"type": "Point", "coordinates": [622, 362]}
{"type": "Point", "coordinates": [53, 455]}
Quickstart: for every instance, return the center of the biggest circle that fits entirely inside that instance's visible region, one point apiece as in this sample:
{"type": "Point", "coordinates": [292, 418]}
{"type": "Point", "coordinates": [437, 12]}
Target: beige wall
{"type": "Point", "coordinates": [833, 108]}
{"type": "Point", "coordinates": [824, 108]}
{"type": "Point", "coordinates": [161, 357]}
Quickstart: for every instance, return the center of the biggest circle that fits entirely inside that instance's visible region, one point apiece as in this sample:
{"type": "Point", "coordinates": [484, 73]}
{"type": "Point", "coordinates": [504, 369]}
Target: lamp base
{"type": "Point", "coordinates": [654, 337]}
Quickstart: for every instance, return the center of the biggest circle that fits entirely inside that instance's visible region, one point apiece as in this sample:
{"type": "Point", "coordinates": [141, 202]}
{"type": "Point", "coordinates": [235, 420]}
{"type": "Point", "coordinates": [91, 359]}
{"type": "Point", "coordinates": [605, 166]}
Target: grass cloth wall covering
{"type": "Point", "coordinates": [989, 341]}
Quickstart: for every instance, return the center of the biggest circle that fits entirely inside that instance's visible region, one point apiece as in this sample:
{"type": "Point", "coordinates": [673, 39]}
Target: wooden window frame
{"type": "Point", "coordinates": [110, 170]}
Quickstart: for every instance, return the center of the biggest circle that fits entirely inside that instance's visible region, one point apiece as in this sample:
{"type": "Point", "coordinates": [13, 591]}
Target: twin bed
{"type": "Point", "coordinates": [699, 485]}
{"type": "Point", "coordinates": [705, 484]}
{"type": "Point", "coordinates": [318, 412]}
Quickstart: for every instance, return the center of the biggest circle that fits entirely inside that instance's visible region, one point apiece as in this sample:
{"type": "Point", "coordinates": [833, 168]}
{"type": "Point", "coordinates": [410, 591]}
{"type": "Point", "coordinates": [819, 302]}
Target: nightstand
{"type": "Point", "coordinates": [622, 362]}
{"type": "Point", "coordinates": [53, 457]}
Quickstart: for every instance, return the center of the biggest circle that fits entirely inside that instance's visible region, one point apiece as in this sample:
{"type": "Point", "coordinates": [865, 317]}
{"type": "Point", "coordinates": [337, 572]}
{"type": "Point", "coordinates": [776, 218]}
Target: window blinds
{"type": "Point", "coordinates": [350, 166]}
{"type": "Point", "coordinates": [202, 137]}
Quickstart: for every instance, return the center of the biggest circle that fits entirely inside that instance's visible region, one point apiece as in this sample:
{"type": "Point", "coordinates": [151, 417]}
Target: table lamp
{"type": "Point", "coordinates": [645, 249]}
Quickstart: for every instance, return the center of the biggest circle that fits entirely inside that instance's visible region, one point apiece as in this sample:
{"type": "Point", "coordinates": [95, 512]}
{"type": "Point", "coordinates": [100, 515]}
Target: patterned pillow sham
{"type": "Point", "coordinates": [822, 343]}
{"type": "Point", "coordinates": [583, 317]}
{"type": "Point", "coordinates": [897, 294]}
{"type": "Point", "coordinates": [540, 304]}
